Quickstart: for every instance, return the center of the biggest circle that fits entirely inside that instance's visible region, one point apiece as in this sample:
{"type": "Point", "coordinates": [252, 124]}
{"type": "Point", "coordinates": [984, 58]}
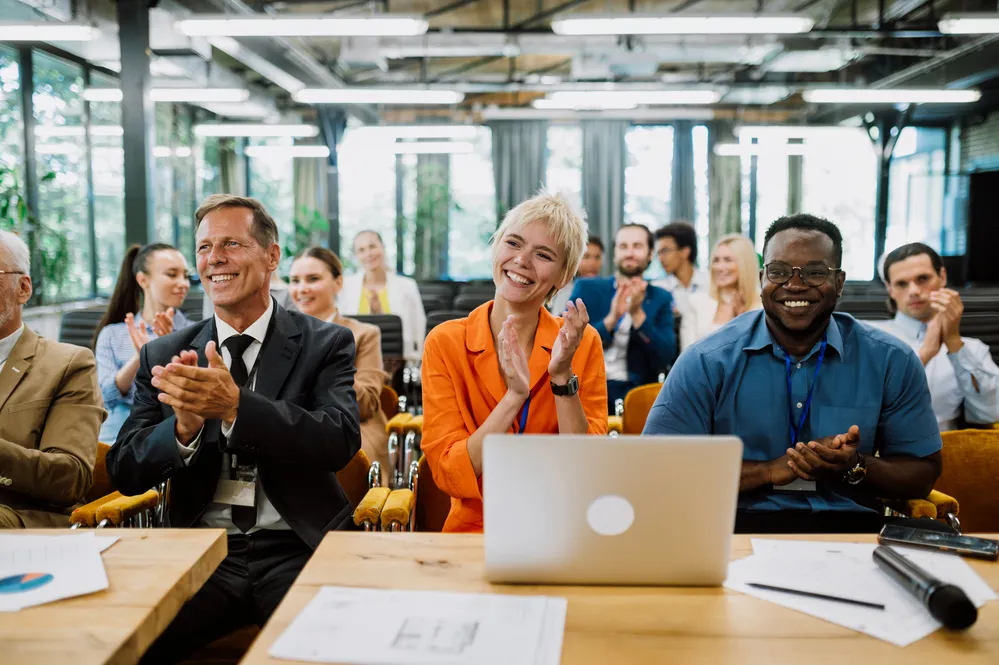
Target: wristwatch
{"type": "Point", "coordinates": [856, 474]}
{"type": "Point", "coordinates": [568, 390]}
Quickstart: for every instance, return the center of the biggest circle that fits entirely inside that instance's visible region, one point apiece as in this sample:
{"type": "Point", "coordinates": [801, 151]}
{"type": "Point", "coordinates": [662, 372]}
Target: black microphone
{"type": "Point", "coordinates": [947, 603]}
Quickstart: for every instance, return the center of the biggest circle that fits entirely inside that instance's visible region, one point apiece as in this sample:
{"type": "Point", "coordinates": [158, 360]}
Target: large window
{"type": "Point", "coordinates": [564, 170]}
{"type": "Point", "coordinates": [648, 176]}
{"type": "Point", "coordinates": [916, 211]}
{"type": "Point", "coordinates": [839, 179]}
{"type": "Point", "coordinates": [176, 176]}
{"type": "Point", "coordinates": [473, 210]}
{"type": "Point", "coordinates": [62, 178]}
{"type": "Point", "coordinates": [11, 129]}
{"type": "Point", "coordinates": [367, 190]}
{"type": "Point", "coordinates": [702, 201]}
{"type": "Point", "coordinates": [272, 183]}
{"type": "Point", "coordinates": [108, 163]}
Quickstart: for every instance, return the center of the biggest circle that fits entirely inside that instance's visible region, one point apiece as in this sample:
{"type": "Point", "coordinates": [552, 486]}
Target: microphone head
{"type": "Point", "coordinates": [952, 607]}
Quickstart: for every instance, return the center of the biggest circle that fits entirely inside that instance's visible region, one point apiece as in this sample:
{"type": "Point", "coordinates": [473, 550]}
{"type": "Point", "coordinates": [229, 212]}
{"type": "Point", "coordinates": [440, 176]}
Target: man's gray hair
{"type": "Point", "coordinates": [17, 252]}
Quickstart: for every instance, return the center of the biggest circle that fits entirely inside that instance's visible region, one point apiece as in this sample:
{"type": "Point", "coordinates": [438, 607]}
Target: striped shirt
{"type": "Point", "coordinates": [113, 350]}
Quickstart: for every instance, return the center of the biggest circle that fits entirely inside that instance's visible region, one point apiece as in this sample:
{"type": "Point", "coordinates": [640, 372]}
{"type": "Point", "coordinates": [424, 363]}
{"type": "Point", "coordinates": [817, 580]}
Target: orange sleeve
{"type": "Point", "coordinates": [445, 437]}
{"type": "Point", "coordinates": [592, 381]}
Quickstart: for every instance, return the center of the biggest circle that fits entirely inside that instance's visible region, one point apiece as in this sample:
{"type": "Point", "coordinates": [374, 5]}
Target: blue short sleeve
{"type": "Point", "coordinates": [687, 400]}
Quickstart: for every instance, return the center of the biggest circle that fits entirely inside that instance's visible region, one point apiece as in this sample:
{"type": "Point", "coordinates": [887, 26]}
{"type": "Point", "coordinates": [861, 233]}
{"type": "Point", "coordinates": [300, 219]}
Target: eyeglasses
{"type": "Point", "coordinates": [12, 272]}
{"type": "Point", "coordinates": [812, 274]}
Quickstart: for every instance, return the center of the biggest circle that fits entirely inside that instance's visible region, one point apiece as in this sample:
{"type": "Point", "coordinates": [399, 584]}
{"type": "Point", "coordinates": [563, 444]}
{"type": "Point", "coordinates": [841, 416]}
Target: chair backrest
{"type": "Point", "coordinates": [194, 304]}
{"type": "Point", "coordinates": [970, 470]}
{"type": "Point", "coordinates": [391, 327]}
{"type": "Point", "coordinates": [983, 326]}
{"type": "Point", "coordinates": [102, 482]}
{"type": "Point", "coordinates": [390, 401]}
{"type": "Point", "coordinates": [434, 319]}
{"type": "Point", "coordinates": [353, 478]}
{"type": "Point", "coordinates": [432, 504]}
{"type": "Point", "coordinates": [442, 290]}
{"type": "Point", "coordinates": [637, 404]}
{"type": "Point", "coordinates": [79, 325]}
{"type": "Point", "coordinates": [466, 302]}
{"type": "Point", "coordinates": [435, 304]}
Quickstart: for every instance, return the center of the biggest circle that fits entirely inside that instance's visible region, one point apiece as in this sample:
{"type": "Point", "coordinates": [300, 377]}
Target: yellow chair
{"type": "Point", "coordinates": [106, 507]}
{"type": "Point", "coordinates": [633, 410]}
{"type": "Point", "coordinates": [970, 473]}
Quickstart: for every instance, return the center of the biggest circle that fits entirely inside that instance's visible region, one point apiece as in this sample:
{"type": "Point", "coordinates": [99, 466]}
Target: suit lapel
{"type": "Point", "coordinates": [18, 364]}
{"type": "Point", "coordinates": [479, 340]}
{"type": "Point", "coordinates": [278, 355]}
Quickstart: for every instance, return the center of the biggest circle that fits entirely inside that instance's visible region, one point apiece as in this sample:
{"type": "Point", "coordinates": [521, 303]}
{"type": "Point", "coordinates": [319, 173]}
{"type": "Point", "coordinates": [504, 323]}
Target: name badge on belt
{"type": "Point", "coordinates": [797, 485]}
{"type": "Point", "coordinates": [235, 492]}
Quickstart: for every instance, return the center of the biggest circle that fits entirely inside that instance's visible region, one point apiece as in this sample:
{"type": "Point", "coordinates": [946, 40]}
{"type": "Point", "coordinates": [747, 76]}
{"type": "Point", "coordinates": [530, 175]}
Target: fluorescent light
{"type": "Point", "coordinates": [102, 94]}
{"type": "Point", "coordinates": [750, 149]}
{"type": "Point", "coordinates": [162, 151]}
{"type": "Point", "coordinates": [377, 96]}
{"type": "Point", "coordinates": [179, 95]}
{"type": "Point", "coordinates": [285, 151]}
{"type": "Point", "coordinates": [198, 95]}
{"type": "Point", "coordinates": [594, 98]}
{"type": "Point", "coordinates": [784, 132]}
{"type": "Point", "coordinates": [969, 24]}
{"type": "Point", "coordinates": [182, 151]}
{"type": "Point", "coordinates": [59, 130]}
{"type": "Point", "coordinates": [66, 148]}
{"type": "Point", "coordinates": [639, 24]}
{"type": "Point", "coordinates": [257, 130]}
{"type": "Point", "coordinates": [608, 104]}
{"type": "Point", "coordinates": [303, 26]}
{"type": "Point", "coordinates": [759, 94]}
{"type": "Point", "coordinates": [433, 148]}
{"type": "Point", "coordinates": [14, 31]}
{"type": "Point", "coordinates": [467, 132]}
{"type": "Point", "coordinates": [450, 51]}
{"type": "Point", "coordinates": [107, 130]}
{"type": "Point", "coordinates": [817, 60]}
{"type": "Point", "coordinates": [890, 96]}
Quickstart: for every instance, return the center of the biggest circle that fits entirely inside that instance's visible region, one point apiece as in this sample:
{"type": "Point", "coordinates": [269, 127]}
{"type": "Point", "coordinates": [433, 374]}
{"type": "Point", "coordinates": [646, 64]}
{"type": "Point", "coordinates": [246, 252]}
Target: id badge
{"type": "Point", "coordinates": [235, 492]}
{"type": "Point", "coordinates": [797, 485]}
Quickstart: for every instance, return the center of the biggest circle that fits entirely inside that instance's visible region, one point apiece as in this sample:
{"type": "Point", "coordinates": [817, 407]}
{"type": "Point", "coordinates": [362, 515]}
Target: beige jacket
{"type": "Point", "coordinates": [50, 413]}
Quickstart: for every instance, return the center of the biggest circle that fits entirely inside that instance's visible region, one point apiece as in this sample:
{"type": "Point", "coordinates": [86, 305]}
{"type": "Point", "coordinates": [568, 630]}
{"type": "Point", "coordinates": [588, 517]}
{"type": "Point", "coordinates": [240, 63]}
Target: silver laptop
{"type": "Point", "coordinates": [649, 510]}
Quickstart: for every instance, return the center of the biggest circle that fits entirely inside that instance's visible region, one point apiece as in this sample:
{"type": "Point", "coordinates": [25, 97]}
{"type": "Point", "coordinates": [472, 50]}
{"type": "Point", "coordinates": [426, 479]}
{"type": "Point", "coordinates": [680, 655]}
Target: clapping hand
{"type": "Point", "coordinates": [827, 457]}
{"type": "Point", "coordinates": [576, 318]}
{"type": "Point", "coordinates": [513, 362]}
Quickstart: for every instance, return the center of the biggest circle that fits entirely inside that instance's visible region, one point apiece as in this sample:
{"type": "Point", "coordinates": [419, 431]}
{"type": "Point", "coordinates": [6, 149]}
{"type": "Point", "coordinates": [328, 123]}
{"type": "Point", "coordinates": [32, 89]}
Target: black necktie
{"type": "Point", "coordinates": [244, 517]}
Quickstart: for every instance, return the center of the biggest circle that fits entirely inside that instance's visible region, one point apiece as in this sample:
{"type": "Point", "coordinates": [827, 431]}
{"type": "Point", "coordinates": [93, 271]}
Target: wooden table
{"type": "Point", "coordinates": [151, 574]}
{"type": "Point", "coordinates": [620, 625]}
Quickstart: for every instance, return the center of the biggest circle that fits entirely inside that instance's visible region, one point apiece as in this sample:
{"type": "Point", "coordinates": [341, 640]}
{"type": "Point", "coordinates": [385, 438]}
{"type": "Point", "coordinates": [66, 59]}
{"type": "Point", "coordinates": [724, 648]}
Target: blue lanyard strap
{"type": "Point", "coordinates": [523, 415]}
{"type": "Point", "coordinates": [795, 431]}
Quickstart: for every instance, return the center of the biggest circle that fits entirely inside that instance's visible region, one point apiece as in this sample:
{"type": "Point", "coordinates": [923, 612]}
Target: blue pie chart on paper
{"type": "Point", "coordinates": [24, 582]}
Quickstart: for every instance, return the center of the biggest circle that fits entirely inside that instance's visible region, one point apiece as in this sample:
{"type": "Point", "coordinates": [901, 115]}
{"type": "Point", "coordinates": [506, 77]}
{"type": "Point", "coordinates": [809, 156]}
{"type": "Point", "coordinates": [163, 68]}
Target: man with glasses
{"type": "Point", "coordinates": [676, 247]}
{"type": "Point", "coordinates": [50, 409]}
{"type": "Point", "coordinates": [813, 395]}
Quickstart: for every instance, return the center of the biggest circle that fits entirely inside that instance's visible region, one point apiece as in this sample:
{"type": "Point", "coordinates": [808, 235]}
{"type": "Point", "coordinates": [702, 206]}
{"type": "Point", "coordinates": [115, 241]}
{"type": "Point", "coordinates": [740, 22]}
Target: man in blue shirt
{"type": "Point", "coordinates": [634, 319]}
{"type": "Point", "coordinates": [813, 395]}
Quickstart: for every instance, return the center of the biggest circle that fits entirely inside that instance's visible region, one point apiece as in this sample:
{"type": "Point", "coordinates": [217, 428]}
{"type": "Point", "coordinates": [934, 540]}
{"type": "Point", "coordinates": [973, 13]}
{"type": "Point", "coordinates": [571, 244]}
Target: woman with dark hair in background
{"type": "Point", "coordinates": [152, 284]}
{"type": "Point", "coordinates": [316, 280]}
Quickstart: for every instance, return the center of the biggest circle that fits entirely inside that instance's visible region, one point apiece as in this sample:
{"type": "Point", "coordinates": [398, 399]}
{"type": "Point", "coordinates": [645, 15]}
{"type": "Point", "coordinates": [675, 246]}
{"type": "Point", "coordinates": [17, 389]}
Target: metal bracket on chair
{"type": "Point", "coordinates": [954, 522]}
{"type": "Point", "coordinates": [619, 407]}
{"type": "Point", "coordinates": [375, 475]}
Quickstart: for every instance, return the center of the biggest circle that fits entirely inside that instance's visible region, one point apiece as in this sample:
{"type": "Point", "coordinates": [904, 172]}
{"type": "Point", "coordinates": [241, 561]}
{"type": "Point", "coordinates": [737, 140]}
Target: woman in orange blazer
{"type": "Point", "coordinates": [511, 367]}
{"type": "Point", "coordinates": [316, 279]}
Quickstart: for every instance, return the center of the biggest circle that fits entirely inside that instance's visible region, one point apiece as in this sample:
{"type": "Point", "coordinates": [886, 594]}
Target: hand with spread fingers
{"type": "Point", "coordinates": [513, 361]}
{"type": "Point", "coordinates": [828, 457]}
{"type": "Point", "coordinates": [137, 332]}
{"type": "Point", "coordinates": [205, 392]}
{"type": "Point", "coordinates": [575, 320]}
{"type": "Point", "coordinates": [163, 323]}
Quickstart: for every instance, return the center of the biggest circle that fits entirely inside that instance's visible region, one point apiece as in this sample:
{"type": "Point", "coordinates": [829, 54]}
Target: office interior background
{"type": "Point", "coordinates": [426, 119]}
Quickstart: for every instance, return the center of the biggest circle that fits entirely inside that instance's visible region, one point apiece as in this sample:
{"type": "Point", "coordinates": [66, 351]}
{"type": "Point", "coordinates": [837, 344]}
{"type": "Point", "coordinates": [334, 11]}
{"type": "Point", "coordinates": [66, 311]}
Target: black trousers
{"type": "Point", "coordinates": [245, 589]}
{"type": "Point", "coordinates": [788, 521]}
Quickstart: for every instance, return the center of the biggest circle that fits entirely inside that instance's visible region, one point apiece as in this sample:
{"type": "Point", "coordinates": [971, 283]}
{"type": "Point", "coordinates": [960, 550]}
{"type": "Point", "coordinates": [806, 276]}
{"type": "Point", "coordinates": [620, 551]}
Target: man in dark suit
{"type": "Point", "coordinates": [248, 414]}
{"type": "Point", "coordinates": [634, 319]}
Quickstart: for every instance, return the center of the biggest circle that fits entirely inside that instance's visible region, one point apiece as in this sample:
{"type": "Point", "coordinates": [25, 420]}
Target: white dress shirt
{"type": "Point", "coordinates": [950, 376]}
{"type": "Point", "coordinates": [219, 515]}
{"type": "Point", "coordinates": [7, 345]}
{"type": "Point", "coordinates": [699, 282]}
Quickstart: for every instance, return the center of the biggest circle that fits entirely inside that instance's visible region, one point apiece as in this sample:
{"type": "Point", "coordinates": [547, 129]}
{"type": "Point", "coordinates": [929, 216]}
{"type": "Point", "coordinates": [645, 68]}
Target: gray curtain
{"type": "Point", "coordinates": [682, 190]}
{"type": "Point", "coordinates": [433, 203]}
{"type": "Point", "coordinates": [519, 155]}
{"type": "Point", "coordinates": [309, 184]}
{"type": "Point", "coordinates": [724, 185]}
{"type": "Point", "coordinates": [794, 166]}
{"type": "Point", "coordinates": [232, 169]}
{"type": "Point", "coordinates": [604, 160]}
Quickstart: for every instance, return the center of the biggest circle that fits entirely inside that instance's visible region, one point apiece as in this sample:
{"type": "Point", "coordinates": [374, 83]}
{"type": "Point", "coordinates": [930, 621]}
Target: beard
{"type": "Point", "coordinates": [637, 271]}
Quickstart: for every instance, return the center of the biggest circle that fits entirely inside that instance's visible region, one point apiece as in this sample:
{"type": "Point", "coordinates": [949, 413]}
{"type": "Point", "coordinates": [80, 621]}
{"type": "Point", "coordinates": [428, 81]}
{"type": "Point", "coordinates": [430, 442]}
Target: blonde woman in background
{"type": "Point", "coordinates": [734, 290]}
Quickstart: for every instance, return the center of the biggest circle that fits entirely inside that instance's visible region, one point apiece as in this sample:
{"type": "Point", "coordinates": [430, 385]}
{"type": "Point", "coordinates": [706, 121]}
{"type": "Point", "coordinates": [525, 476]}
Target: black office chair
{"type": "Point", "coordinates": [393, 359]}
{"type": "Point", "coordinates": [434, 319]}
{"type": "Point", "coordinates": [432, 304]}
{"type": "Point", "coordinates": [79, 325]}
{"type": "Point", "coordinates": [441, 290]}
{"type": "Point", "coordinates": [983, 326]}
{"type": "Point", "coordinates": [466, 302]}
{"type": "Point", "coordinates": [193, 307]}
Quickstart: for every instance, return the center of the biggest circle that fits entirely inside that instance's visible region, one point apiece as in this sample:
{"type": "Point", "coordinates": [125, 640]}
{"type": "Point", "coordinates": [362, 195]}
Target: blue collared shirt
{"type": "Point", "coordinates": [734, 382]}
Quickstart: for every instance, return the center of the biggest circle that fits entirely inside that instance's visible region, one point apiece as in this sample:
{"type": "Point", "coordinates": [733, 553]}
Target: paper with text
{"type": "Point", "coordinates": [41, 569]}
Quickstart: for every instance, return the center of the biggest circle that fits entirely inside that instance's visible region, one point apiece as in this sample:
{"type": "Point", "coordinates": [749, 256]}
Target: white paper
{"type": "Point", "coordinates": [73, 561]}
{"type": "Point", "coordinates": [383, 627]}
{"type": "Point", "coordinates": [847, 570]}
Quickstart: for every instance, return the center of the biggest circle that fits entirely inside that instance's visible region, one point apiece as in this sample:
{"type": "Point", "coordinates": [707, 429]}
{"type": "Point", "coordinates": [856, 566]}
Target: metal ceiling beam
{"type": "Point", "coordinates": [686, 4]}
{"type": "Point", "coordinates": [548, 13]}
{"type": "Point", "coordinates": [468, 66]}
{"type": "Point", "coordinates": [450, 7]}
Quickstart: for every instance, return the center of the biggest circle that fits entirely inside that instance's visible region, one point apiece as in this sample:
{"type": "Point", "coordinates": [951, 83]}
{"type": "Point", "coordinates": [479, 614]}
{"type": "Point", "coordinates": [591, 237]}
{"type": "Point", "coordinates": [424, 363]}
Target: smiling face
{"type": "Point", "coordinates": [527, 264]}
{"type": "Point", "coordinates": [796, 307]}
{"type": "Point", "coordinates": [369, 250]}
{"type": "Point", "coordinates": [725, 268]}
{"type": "Point", "coordinates": [234, 268]}
{"type": "Point", "coordinates": [910, 283]}
{"type": "Point", "coordinates": [165, 281]}
{"type": "Point", "coordinates": [312, 287]}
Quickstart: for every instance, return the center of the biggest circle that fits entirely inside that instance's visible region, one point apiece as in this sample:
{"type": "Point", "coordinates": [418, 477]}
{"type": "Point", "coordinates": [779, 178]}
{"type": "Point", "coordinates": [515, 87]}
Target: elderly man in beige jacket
{"type": "Point", "coordinates": [50, 409]}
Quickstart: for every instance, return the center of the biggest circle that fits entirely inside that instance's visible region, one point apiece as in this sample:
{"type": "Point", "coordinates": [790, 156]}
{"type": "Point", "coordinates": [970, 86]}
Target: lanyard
{"type": "Point", "coordinates": [523, 415]}
{"type": "Point", "coordinates": [795, 431]}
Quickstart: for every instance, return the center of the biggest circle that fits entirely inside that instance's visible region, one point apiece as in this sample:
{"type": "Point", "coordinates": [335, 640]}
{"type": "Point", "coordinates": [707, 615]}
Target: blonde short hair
{"type": "Point", "coordinates": [748, 266]}
{"type": "Point", "coordinates": [566, 223]}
